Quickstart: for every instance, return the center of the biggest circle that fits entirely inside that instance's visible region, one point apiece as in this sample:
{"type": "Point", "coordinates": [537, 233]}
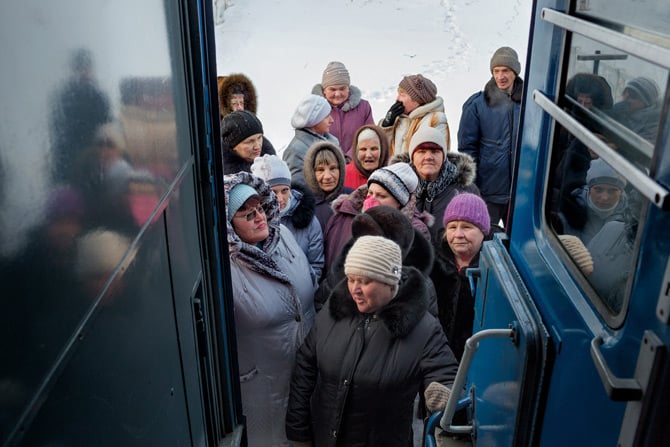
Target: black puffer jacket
{"type": "Point", "coordinates": [356, 375]}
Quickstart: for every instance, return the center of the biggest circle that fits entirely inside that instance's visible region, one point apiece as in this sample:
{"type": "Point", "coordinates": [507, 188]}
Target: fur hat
{"type": "Point", "coordinates": [237, 196]}
{"type": "Point", "coordinates": [398, 179]}
{"type": "Point", "coordinates": [601, 173]}
{"type": "Point", "coordinates": [506, 57]}
{"type": "Point", "coordinates": [335, 74]}
{"type": "Point", "coordinates": [645, 89]}
{"type": "Point", "coordinates": [419, 88]}
{"type": "Point", "coordinates": [272, 169]}
{"type": "Point", "coordinates": [375, 257]}
{"type": "Point", "coordinates": [310, 111]}
{"type": "Point", "coordinates": [238, 126]}
{"type": "Point", "coordinates": [470, 208]}
{"type": "Point", "coordinates": [427, 134]}
{"type": "Point", "coordinates": [385, 221]}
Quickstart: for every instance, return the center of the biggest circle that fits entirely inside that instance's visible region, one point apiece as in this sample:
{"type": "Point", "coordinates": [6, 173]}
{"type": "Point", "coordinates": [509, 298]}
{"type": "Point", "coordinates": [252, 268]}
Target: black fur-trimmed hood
{"type": "Point", "coordinates": [399, 316]}
{"type": "Point", "coordinates": [303, 212]}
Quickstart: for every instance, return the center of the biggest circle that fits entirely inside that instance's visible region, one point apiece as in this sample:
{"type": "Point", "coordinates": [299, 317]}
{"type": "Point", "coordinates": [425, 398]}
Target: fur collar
{"type": "Point", "coordinates": [399, 316]}
{"type": "Point", "coordinates": [465, 168]}
{"type": "Point", "coordinates": [494, 96]}
{"type": "Point", "coordinates": [233, 163]}
{"type": "Point", "coordinates": [302, 213]}
{"type": "Point", "coordinates": [352, 101]}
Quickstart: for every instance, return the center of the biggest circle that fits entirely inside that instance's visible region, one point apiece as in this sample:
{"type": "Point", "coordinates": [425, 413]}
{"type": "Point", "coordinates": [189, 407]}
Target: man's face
{"type": "Point", "coordinates": [504, 77]}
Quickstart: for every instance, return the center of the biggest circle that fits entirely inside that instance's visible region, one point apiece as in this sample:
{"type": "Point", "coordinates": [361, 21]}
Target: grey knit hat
{"type": "Point", "coordinates": [427, 134]}
{"type": "Point", "coordinates": [645, 89]}
{"type": "Point", "coordinates": [335, 74]}
{"type": "Point", "coordinates": [506, 57]}
{"type": "Point", "coordinates": [375, 257]}
{"type": "Point", "coordinates": [600, 173]}
{"type": "Point", "coordinates": [399, 179]}
{"type": "Point", "coordinates": [311, 110]}
{"type": "Point", "coordinates": [419, 88]}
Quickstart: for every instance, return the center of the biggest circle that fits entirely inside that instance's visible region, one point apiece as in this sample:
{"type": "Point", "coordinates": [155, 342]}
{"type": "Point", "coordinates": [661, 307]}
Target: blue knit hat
{"type": "Point", "coordinates": [470, 208]}
{"type": "Point", "coordinates": [239, 194]}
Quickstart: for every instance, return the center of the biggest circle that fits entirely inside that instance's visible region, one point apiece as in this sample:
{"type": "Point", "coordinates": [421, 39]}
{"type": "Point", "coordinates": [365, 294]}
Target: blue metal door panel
{"type": "Point", "coordinates": [506, 374]}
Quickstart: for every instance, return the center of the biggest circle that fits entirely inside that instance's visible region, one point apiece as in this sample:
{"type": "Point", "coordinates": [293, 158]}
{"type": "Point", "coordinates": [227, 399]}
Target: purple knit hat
{"type": "Point", "coordinates": [470, 208]}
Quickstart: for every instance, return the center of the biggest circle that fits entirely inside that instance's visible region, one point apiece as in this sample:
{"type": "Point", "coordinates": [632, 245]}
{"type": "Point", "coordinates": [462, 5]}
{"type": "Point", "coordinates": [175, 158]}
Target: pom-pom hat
{"type": "Point", "coordinates": [470, 208]}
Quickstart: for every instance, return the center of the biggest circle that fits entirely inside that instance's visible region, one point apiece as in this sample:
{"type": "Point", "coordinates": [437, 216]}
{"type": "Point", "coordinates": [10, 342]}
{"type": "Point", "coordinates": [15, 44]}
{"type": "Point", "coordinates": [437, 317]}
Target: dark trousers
{"type": "Point", "coordinates": [498, 212]}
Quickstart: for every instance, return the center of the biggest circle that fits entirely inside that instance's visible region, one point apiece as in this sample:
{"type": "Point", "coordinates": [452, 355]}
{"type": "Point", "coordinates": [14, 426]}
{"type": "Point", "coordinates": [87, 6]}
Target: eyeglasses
{"type": "Point", "coordinates": [251, 215]}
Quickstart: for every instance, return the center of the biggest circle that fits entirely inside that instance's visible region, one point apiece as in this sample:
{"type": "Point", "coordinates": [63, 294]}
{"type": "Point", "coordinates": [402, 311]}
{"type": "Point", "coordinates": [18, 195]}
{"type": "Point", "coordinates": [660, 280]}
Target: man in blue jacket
{"type": "Point", "coordinates": [488, 131]}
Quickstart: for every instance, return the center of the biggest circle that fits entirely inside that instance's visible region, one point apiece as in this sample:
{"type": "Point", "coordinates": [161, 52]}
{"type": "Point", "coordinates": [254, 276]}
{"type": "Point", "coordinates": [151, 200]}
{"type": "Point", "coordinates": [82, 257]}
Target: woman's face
{"type": "Point", "coordinates": [464, 238]}
{"type": "Point", "coordinates": [368, 153]}
{"type": "Point", "coordinates": [368, 294]}
{"type": "Point", "coordinates": [236, 102]}
{"type": "Point", "coordinates": [604, 196]}
{"type": "Point", "coordinates": [428, 162]}
{"type": "Point", "coordinates": [327, 176]}
{"type": "Point", "coordinates": [250, 148]}
{"type": "Point", "coordinates": [323, 127]}
{"type": "Point", "coordinates": [283, 193]}
{"type": "Point", "coordinates": [382, 195]}
{"type": "Point", "coordinates": [336, 94]}
{"type": "Point", "coordinates": [250, 222]}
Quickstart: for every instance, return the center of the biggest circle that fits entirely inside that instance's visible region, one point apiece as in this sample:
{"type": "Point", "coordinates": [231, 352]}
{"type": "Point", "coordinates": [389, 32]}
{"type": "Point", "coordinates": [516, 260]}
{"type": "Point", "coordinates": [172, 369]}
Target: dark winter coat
{"type": "Point", "coordinates": [462, 181]}
{"type": "Point", "coordinates": [455, 303]}
{"type": "Point", "coordinates": [348, 117]}
{"type": "Point", "coordinates": [392, 224]}
{"type": "Point", "coordinates": [356, 375]}
{"type": "Point", "coordinates": [488, 132]}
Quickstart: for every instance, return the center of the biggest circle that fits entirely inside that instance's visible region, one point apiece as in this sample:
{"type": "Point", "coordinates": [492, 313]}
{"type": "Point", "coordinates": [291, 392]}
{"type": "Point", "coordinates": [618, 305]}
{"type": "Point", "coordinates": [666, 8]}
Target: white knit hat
{"type": "Point", "coordinates": [310, 111]}
{"type": "Point", "coordinates": [375, 257]}
{"type": "Point", "coordinates": [427, 134]}
{"type": "Point", "coordinates": [272, 169]}
{"type": "Point", "coordinates": [399, 179]}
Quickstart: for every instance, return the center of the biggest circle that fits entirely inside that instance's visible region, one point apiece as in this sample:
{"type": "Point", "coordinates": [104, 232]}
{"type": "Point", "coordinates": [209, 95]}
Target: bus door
{"type": "Point", "coordinates": [583, 278]}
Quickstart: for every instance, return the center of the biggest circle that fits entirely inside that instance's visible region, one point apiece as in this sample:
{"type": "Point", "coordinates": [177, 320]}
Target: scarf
{"type": "Point", "coordinates": [429, 190]}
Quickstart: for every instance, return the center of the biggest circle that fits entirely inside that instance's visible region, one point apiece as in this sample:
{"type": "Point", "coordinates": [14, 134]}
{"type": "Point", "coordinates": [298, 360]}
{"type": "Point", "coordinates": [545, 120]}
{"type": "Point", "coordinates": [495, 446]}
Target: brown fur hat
{"type": "Point", "coordinates": [236, 84]}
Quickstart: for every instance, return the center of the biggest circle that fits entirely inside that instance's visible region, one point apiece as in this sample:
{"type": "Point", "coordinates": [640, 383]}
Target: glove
{"type": "Point", "coordinates": [394, 112]}
{"type": "Point", "coordinates": [436, 396]}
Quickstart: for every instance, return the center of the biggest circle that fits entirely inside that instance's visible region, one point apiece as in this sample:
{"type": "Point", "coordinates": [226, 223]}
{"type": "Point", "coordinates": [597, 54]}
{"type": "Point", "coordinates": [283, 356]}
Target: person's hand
{"type": "Point", "coordinates": [394, 112]}
{"type": "Point", "coordinates": [436, 396]}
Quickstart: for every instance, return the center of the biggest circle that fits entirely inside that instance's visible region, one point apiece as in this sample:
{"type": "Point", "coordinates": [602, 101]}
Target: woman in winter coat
{"type": "Point", "coordinates": [323, 174]}
{"type": "Point", "coordinates": [370, 151]}
{"type": "Point", "coordinates": [391, 223]}
{"type": "Point", "coordinates": [393, 186]}
{"type": "Point", "coordinates": [467, 225]}
{"type": "Point", "coordinates": [242, 140]}
{"type": "Point", "coordinates": [273, 303]}
{"type": "Point", "coordinates": [371, 349]}
{"type": "Point", "coordinates": [311, 121]}
{"type": "Point", "coordinates": [442, 175]}
{"type": "Point", "coordinates": [296, 208]}
{"type": "Point", "coordinates": [417, 107]}
{"type": "Point", "coordinates": [349, 110]}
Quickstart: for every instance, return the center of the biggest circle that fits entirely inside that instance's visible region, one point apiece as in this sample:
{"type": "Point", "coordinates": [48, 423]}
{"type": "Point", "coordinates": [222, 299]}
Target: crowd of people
{"type": "Point", "coordinates": [350, 251]}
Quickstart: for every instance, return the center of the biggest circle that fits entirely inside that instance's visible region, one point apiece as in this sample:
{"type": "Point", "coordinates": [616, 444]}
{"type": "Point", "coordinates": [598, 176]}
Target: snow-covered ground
{"type": "Point", "coordinates": [284, 45]}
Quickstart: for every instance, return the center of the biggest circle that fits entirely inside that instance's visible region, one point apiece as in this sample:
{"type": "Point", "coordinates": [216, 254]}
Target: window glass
{"type": "Point", "coordinates": [652, 16]}
{"type": "Point", "coordinates": [593, 209]}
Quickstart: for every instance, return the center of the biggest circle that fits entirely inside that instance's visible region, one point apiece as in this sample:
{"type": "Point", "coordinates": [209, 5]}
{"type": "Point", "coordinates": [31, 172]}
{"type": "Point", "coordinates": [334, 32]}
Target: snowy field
{"type": "Point", "coordinates": [284, 45]}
